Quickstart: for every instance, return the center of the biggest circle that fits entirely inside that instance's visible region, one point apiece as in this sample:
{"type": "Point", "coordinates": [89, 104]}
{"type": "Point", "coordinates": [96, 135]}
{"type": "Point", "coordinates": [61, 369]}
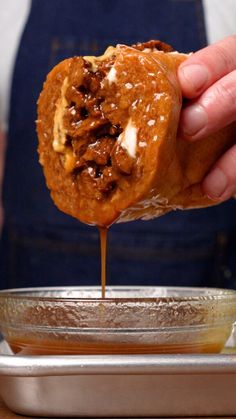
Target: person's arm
{"type": "Point", "coordinates": [208, 79]}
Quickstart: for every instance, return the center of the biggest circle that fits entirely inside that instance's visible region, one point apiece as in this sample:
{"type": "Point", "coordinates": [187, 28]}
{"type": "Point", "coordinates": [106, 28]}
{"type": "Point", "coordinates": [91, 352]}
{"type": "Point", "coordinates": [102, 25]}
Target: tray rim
{"type": "Point", "coordinates": [59, 365]}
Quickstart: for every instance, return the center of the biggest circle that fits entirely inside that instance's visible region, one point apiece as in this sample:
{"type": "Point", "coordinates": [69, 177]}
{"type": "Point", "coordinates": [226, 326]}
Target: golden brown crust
{"type": "Point", "coordinates": [100, 177]}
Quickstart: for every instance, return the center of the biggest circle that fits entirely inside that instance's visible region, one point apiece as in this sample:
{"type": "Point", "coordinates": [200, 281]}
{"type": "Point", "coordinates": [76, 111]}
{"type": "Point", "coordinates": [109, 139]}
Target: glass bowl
{"type": "Point", "coordinates": [131, 320]}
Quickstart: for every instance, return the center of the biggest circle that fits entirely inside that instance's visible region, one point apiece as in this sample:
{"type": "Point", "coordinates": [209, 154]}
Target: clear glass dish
{"type": "Point", "coordinates": [131, 320]}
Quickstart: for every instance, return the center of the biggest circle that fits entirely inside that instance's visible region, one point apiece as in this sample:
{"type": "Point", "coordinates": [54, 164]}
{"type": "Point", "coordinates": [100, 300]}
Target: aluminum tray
{"type": "Point", "coordinates": [137, 385]}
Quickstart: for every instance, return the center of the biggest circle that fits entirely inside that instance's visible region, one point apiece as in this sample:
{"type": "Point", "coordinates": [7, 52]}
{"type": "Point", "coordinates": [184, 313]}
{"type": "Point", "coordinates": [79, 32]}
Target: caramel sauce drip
{"type": "Point", "coordinates": [103, 244]}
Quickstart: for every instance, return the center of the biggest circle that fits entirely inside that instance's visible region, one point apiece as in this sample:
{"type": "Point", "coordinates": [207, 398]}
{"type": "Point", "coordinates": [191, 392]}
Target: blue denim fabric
{"type": "Point", "coordinates": [42, 246]}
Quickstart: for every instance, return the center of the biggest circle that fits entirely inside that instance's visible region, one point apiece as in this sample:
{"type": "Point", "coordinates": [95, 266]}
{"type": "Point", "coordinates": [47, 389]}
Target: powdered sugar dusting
{"type": "Point", "coordinates": [157, 96]}
{"type": "Point", "coordinates": [151, 122]}
{"type": "Point", "coordinates": [142, 144]}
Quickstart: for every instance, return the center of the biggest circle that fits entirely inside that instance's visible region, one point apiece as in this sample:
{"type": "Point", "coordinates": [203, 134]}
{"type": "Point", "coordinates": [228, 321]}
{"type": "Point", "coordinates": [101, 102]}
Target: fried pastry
{"type": "Point", "coordinates": [107, 129]}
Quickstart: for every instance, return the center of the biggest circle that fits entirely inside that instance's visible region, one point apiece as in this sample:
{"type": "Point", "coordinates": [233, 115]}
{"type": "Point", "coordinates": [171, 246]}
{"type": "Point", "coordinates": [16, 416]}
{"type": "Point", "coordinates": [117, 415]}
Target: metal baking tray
{"type": "Point", "coordinates": [119, 385]}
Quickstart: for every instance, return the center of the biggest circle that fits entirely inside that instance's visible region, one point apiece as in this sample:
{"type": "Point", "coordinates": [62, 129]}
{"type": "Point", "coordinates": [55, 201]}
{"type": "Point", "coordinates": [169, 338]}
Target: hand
{"type": "Point", "coordinates": [208, 78]}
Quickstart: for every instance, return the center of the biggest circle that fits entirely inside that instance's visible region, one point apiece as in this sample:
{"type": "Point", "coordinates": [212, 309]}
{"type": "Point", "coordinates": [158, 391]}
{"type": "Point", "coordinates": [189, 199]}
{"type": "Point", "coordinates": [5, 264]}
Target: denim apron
{"type": "Point", "coordinates": [41, 245]}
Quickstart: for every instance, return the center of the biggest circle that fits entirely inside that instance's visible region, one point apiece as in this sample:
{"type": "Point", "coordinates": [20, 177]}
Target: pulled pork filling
{"type": "Point", "coordinates": [88, 145]}
{"type": "Point", "coordinates": [93, 132]}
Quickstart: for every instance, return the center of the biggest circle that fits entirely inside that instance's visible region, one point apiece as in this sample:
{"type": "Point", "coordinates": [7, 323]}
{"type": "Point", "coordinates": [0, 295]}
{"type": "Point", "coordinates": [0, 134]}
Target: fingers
{"type": "Point", "coordinates": [206, 66]}
{"type": "Point", "coordinates": [208, 78]}
{"type": "Point", "coordinates": [215, 109]}
{"type": "Point", "coordinates": [220, 183]}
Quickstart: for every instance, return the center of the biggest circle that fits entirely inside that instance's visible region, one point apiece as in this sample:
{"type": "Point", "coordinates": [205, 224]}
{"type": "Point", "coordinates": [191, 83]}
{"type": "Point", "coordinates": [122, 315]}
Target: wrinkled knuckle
{"type": "Point", "coordinates": [228, 94]}
{"type": "Point", "coordinates": [230, 38]}
{"type": "Point", "coordinates": [224, 57]}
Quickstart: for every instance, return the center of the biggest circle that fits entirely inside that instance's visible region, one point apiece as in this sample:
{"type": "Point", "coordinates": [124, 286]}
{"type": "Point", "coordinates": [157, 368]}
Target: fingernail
{"type": "Point", "coordinates": [215, 184]}
{"type": "Point", "coordinates": [196, 75]}
{"type": "Point", "coordinates": [194, 119]}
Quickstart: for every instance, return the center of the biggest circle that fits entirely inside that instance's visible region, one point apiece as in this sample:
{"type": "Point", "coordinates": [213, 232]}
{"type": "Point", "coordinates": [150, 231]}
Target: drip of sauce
{"type": "Point", "coordinates": [103, 244]}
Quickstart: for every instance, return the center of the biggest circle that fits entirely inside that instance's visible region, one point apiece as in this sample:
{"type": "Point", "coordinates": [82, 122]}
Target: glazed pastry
{"type": "Point", "coordinates": [107, 129]}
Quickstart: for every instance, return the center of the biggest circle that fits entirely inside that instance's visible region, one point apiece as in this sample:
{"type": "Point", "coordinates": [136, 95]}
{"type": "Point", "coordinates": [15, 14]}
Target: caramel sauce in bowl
{"type": "Point", "coordinates": [130, 320]}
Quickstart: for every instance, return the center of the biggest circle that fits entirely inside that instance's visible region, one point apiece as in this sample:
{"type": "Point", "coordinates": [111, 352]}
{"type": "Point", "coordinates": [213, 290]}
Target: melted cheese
{"type": "Point", "coordinates": [111, 77]}
{"type": "Point", "coordinates": [59, 132]}
{"type": "Point", "coordinates": [128, 139]}
{"type": "Point", "coordinates": [96, 60]}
